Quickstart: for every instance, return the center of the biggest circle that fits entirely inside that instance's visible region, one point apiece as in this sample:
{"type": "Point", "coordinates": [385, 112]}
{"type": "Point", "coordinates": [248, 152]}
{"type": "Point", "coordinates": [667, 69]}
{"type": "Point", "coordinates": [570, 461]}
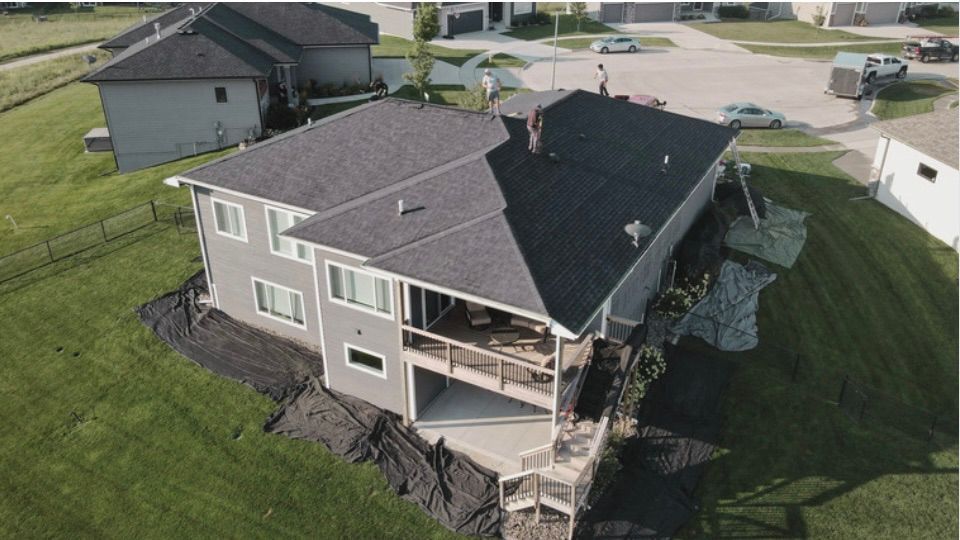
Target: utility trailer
{"type": "Point", "coordinates": [853, 72]}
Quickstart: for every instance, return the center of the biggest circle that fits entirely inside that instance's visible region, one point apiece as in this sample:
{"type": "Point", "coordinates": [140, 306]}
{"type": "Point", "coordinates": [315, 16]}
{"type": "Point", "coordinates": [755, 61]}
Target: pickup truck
{"type": "Point", "coordinates": [853, 72]}
{"type": "Point", "coordinates": [930, 49]}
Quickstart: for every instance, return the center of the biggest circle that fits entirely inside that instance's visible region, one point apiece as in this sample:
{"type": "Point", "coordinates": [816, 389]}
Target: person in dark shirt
{"type": "Point", "coordinates": [380, 88]}
{"type": "Point", "coordinates": [534, 125]}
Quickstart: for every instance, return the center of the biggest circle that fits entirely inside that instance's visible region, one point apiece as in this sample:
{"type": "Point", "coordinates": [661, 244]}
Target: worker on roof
{"type": "Point", "coordinates": [534, 127]}
{"type": "Point", "coordinates": [491, 83]}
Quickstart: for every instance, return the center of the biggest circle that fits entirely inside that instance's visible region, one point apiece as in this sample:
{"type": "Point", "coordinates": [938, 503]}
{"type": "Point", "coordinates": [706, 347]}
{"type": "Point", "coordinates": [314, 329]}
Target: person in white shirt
{"type": "Point", "coordinates": [601, 75]}
{"type": "Point", "coordinates": [491, 83]}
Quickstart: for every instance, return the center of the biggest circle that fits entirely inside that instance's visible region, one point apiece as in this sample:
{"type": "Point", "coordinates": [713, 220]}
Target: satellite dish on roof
{"type": "Point", "coordinates": [637, 231]}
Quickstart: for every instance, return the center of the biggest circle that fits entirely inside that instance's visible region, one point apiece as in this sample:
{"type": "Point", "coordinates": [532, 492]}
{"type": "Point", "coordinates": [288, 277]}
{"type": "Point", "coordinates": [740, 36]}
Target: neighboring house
{"type": "Point", "coordinates": [850, 13]}
{"type": "Point", "coordinates": [396, 18]}
{"type": "Point", "coordinates": [202, 77]}
{"type": "Point", "coordinates": [636, 12]}
{"type": "Point", "coordinates": [14, 5]}
{"type": "Point", "coordinates": [445, 272]}
{"type": "Point", "coordinates": [915, 168]}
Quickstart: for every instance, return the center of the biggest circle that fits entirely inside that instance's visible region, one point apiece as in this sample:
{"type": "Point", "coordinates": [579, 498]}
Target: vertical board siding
{"type": "Point", "coordinates": [335, 65]}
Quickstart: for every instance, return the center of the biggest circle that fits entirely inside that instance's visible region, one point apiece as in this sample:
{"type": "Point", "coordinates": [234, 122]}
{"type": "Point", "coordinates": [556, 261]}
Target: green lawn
{"type": "Point", "coordinates": [823, 52]}
{"type": "Point", "coordinates": [908, 98]}
{"type": "Point", "coordinates": [779, 137]}
{"type": "Point", "coordinates": [443, 94]}
{"type": "Point", "coordinates": [583, 43]}
{"type": "Point", "coordinates": [21, 36]}
{"type": "Point", "coordinates": [946, 26]}
{"type": "Point", "coordinates": [155, 453]}
{"type": "Point", "coordinates": [871, 295]}
{"type": "Point", "coordinates": [19, 85]}
{"type": "Point", "coordinates": [568, 27]}
{"type": "Point", "coordinates": [503, 60]}
{"type": "Point", "coordinates": [397, 47]}
{"type": "Point", "coordinates": [776, 32]}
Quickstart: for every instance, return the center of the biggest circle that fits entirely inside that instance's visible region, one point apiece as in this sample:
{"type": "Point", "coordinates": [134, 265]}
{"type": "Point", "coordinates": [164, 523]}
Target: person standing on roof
{"type": "Point", "coordinates": [491, 83]}
{"type": "Point", "coordinates": [601, 75]}
{"type": "Point", "coordinates": [534, 126]}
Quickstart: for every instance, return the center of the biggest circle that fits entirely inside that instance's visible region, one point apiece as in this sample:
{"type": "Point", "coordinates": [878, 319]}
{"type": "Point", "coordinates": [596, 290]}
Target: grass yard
{"type": "Point", "coordinates": [776, 32]}
{"type": "Point", "coordinates": [779, 137]}
{"type": "Point", "coordinates": [21, 36]}
{"type": "Point", "coordinates": [503, 60]}
{"type": "Point", "coordinates": [442, 94]}
{"type": "Point", "coordinates": [908, 98]}
{"type": "Point", "coordinates": [946, 26]}
{"type": "Point", "coordinates": [49, 185]}
{"type": "Point", "coordinates": [583, 43]}
{"type": "Point", "coordinates": [397, 47]}
{"type": "Point", "coordinates": [22, 84]}
{"type": "Point", "coordinates": [568, 27]}
{"type": "Point", "coordinates": [823, 52]}
{"type": "Point", "coordinates": [162, 448]}
{"type": "Point", "coordinates": [871, 295]}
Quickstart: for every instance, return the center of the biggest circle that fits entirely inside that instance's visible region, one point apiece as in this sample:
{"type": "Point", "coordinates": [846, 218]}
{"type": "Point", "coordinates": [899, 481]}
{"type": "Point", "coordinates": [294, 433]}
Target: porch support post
{"type": "Point", "coordinates": [405, 387]}
{"type": "Point", "coordinates": [607, 306]}
{"type": "Point", "coordinates": [557, 373]}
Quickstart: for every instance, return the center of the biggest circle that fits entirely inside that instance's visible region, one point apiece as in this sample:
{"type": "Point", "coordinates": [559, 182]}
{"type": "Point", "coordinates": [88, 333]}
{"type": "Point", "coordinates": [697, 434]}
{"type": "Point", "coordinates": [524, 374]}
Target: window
{"type": "Point", "coordinates": [221, 94]}
{"type": "Point", "coordinates": [365, 361]}
{"type": "Point", "coordinates": [229, 219]}
{"type": "Point", "coordinates": [279, 302]}
{"type": "Point", "coordinates": [927, 172]}
{"type": "Point", "coordinates": [360, 289]}
{"type": "Point", "coordinates": [279, 221]}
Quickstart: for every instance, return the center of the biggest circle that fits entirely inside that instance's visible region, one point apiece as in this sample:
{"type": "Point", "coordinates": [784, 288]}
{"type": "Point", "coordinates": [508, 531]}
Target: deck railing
{"type": "Point", "coordinates": [620, 328]}
{"type": "Point", "coordinates": [454, 356]}
{"type": "Point", "coordinates": [541, 457]}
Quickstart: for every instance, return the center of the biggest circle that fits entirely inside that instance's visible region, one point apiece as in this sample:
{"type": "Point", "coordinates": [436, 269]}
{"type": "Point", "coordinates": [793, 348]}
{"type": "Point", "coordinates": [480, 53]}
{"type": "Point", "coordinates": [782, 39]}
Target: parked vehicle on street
{"type": "Point", "coordinates": [738, 115]}
{"type": "Point", "coordinates": [615, 44]}
{"type": "Point", "coordinates": [852, 72]}
{"type": "Point", "coordinates": [930, 49]}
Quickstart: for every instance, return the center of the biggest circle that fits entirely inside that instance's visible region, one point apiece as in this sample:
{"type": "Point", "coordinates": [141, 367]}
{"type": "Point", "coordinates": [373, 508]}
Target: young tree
{"type": "Point", "coordinates": [422, 62]}
{"type": "Point", "coordinates": [426, 22]}
{"type": "Point", "coordinates": [579, 11]}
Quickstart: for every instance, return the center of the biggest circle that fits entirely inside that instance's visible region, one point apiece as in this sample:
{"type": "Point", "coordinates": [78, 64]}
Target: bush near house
{"type": "Point", "coordinates": [738, 11]}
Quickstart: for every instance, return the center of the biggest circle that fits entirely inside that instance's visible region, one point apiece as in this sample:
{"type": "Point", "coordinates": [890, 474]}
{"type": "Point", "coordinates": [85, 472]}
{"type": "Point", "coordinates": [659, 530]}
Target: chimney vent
{"type": "Point", "coordinates": [400, 209]}
{"type": "Point", "coordinates": [666, 163]}
{"type": "Point", "coordinates": [156, 27]}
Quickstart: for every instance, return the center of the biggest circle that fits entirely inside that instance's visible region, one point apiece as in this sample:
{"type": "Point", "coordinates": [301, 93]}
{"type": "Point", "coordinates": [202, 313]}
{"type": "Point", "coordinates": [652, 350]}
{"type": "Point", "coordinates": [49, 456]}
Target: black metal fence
{"type": "Point", "coordinates": [858, 400]}
{"type": "Point", "coordinates": [89, 236]}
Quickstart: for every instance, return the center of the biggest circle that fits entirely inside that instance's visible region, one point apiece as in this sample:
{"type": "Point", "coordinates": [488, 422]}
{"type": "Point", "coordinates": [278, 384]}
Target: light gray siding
{"type": "Point", "coordinates": [631, 298]}
{"type": "Point", "coordinates": [337, 65]}
{"type": "Point", "coordinates": [345, 324]}
{"type": "Point", "coordinates": [396, 21]}
{"type": "Point", "coordinates": [158, 121]}
{"type": "Point", "coordinates": [234, 263]}
{"type": "Point", "coordinates": [427, 385]}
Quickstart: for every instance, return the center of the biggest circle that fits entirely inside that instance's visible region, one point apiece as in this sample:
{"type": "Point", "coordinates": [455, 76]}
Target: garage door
{"type": "Point", "coordinates": [655, 12]}
{"type": "Point", "coordinates": [843, 14]}
{"type": "Point", "coordinates": [611, 13]}
{"type": "Point", "coordinates": [468, 21]}
{"type": "Point", "coordinates": [883, 12]}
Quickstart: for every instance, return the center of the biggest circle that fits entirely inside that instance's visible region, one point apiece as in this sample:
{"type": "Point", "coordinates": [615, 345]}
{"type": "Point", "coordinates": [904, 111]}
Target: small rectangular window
{"type": "Point", "coordinates": [365, 361]}
{"type": "Point", "coordinates": [279, 302]}
{"type": "Point", "coordinates": [221, 94]}
{"type": "Point", "coordinates": [360, 289]}
{"type": "Point", "coordinates": [279, 221]}
{"type": "Point", "coordinates": [228, 219]}
{"type": "Point", "coordinates": [927, 172]}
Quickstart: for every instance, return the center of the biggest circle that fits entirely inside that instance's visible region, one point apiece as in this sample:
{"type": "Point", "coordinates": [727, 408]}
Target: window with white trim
{"type": "Point", "coordinates": [360, 289]}
{"type": "Point", "coordinates": [228, 218]}
{"type": "Point", "coordinates": [365, 361]}
{"type": "Point", "coordinates": [279, 221]}
{"type": "Point", "coordinates": [279, 302]}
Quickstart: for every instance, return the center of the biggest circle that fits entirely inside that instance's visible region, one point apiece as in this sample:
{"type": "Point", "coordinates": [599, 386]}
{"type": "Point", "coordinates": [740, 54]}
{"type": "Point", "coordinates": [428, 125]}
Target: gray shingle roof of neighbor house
{"type": "Point", "coordinates": [230, 40]}
{"type": "Point", "coordinates": [485, 216]}
{"type": "Point", "coordinates": [144, 30]}
{"type": "Point", "coordinates": [936, 134]}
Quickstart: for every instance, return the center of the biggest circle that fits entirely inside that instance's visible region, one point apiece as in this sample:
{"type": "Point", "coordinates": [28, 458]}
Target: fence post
{"type": "Point", "coordinates": [843, 389]}
{"type": "Point", "coordinates": [103, 229]}
{"type": "Point", "coordinates": [49, 250]}
{"type": "Point", "coordinates": [153, 207]}
{"type": "Point", "coordinates": [796, 367]}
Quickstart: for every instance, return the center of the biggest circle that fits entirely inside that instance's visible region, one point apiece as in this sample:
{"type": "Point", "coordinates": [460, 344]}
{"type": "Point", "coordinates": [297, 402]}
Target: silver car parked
{"type": "Point", "coordinates": [738, 115]}
{"type": "Point", "coordinates": [615, 44]}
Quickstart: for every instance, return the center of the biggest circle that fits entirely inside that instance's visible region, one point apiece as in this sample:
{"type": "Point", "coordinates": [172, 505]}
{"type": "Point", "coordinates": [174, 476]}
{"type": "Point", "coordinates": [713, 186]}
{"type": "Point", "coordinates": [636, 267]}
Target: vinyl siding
{"type": "Point", "coordinates": [392, 20]}
{"type": "Point", "coordinates": [346, 324]}
{"type": "Point", "coordinates": [335, 65]}
{"type": "Point", "coordinates": [427, 385]}
{"type": "Point", "coordinates": [233, 264]}
{"type": "Point", "coordinates": [630, 299]}
{"type": "Point", "coordinates": [159, 121]}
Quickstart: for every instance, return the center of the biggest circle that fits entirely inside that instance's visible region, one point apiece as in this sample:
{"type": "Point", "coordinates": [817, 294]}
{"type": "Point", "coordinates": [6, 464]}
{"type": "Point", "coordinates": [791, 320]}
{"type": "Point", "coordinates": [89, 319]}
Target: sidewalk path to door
{"type": "Point", "coordinates": [37, 58]}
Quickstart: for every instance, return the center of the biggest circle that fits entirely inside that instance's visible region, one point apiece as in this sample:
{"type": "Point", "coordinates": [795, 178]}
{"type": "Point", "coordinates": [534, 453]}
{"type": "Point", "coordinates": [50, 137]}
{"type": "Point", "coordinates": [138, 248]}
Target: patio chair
{"type": "Point", "coordinates": [477, 315]}
{"type": "Point", "coordinates": [529, 324]}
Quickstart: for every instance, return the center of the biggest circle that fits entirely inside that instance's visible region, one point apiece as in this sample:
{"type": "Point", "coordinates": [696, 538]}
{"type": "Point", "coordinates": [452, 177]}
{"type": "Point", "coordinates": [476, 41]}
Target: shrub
{"type": "Point", "coordinates": [738, 11]}
{"type": "Point", "coordinates": [280, 117]}
{"type": "Point", "coordinates": [650, 366]}
{"type": "Point", "coordinates": [946, 11]}
{"type": "Point", "coordinates": [677, 300]}
{"type": "Point", "coordinates": [609, 465]}
{"type": "Point", "coordinates": [474, 99]}
{"type": "Point", "coordinates": [819, 17]}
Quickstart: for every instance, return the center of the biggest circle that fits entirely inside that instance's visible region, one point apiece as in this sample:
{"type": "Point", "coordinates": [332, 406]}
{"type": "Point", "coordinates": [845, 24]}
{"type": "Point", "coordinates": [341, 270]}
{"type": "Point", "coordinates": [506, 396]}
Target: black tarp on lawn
{"type": "Point", "coordinates": [270, 364]}
{"type": "Point", "coordinates": [678, 426]}
{"type": "Point", "coordinates": [447, 485]}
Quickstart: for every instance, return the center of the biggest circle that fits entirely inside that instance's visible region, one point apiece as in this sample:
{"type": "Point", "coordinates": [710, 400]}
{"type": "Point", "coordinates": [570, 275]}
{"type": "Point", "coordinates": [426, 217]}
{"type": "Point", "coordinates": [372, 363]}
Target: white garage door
{"type": "Point", "coordinates": [654, 12]}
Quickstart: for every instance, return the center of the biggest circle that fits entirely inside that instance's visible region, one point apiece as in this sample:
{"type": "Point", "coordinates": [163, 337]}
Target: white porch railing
{"type": "Point", "coordinates": [620, 328]}
{"type": "Point", "coordinates": [542, 457]}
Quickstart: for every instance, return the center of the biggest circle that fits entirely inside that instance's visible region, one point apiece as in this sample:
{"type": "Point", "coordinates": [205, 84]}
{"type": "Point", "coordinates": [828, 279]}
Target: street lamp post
{"type": "Point", "coordinates": [556, 32]}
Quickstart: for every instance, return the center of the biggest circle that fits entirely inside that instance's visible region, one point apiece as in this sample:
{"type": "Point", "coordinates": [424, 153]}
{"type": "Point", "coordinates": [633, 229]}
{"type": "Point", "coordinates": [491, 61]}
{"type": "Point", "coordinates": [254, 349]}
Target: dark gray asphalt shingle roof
{"type": "Point", "coordinates": [936, 134]}
{"type": "Point", "coordinates": [311, 24]}
{"type": "Point", "coordinates": [496, 221]}
{"type": "Point", "coordinates": [144, 30]}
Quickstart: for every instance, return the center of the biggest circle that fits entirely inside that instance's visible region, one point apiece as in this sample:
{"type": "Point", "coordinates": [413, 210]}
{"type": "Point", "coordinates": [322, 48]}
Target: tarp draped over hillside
{"type": "Point", "coordinates": [779, 240]}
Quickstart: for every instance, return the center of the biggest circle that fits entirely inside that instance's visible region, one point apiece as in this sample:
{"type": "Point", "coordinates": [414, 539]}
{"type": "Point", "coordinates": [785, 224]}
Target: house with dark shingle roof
{"type": "Point", "coordinates": [915, 171]}
{"type": "Point", "coordinates": [448, 274]}
{"type": "Point", "coordinates": [201, 77]}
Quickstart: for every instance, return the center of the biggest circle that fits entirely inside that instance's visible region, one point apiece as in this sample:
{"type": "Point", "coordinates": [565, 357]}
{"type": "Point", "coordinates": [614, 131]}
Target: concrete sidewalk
{"type": "Point", "coordinates": [37, 58]}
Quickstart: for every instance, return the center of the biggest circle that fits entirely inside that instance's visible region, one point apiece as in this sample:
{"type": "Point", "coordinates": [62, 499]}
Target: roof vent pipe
{"type": "Point", "coordinates": [156, 26]}
{"type": "Point", "coordinates": [400, 209]}
{"type": "Point", "coordinates": [193, 12]}
{"type": "Point", "coordinates": [666, 163]}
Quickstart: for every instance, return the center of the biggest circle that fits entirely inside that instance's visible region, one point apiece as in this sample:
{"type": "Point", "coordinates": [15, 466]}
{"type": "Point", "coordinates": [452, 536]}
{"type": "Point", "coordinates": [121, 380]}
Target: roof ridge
{"type": "Point", "coordinates": [143, 24]}
{"type": "Point", "coordinates": [233, 35]}
{"type": "Point", "coordinates": [125, 56]}
{"type": "Point", "coordinates": [226, 6]}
